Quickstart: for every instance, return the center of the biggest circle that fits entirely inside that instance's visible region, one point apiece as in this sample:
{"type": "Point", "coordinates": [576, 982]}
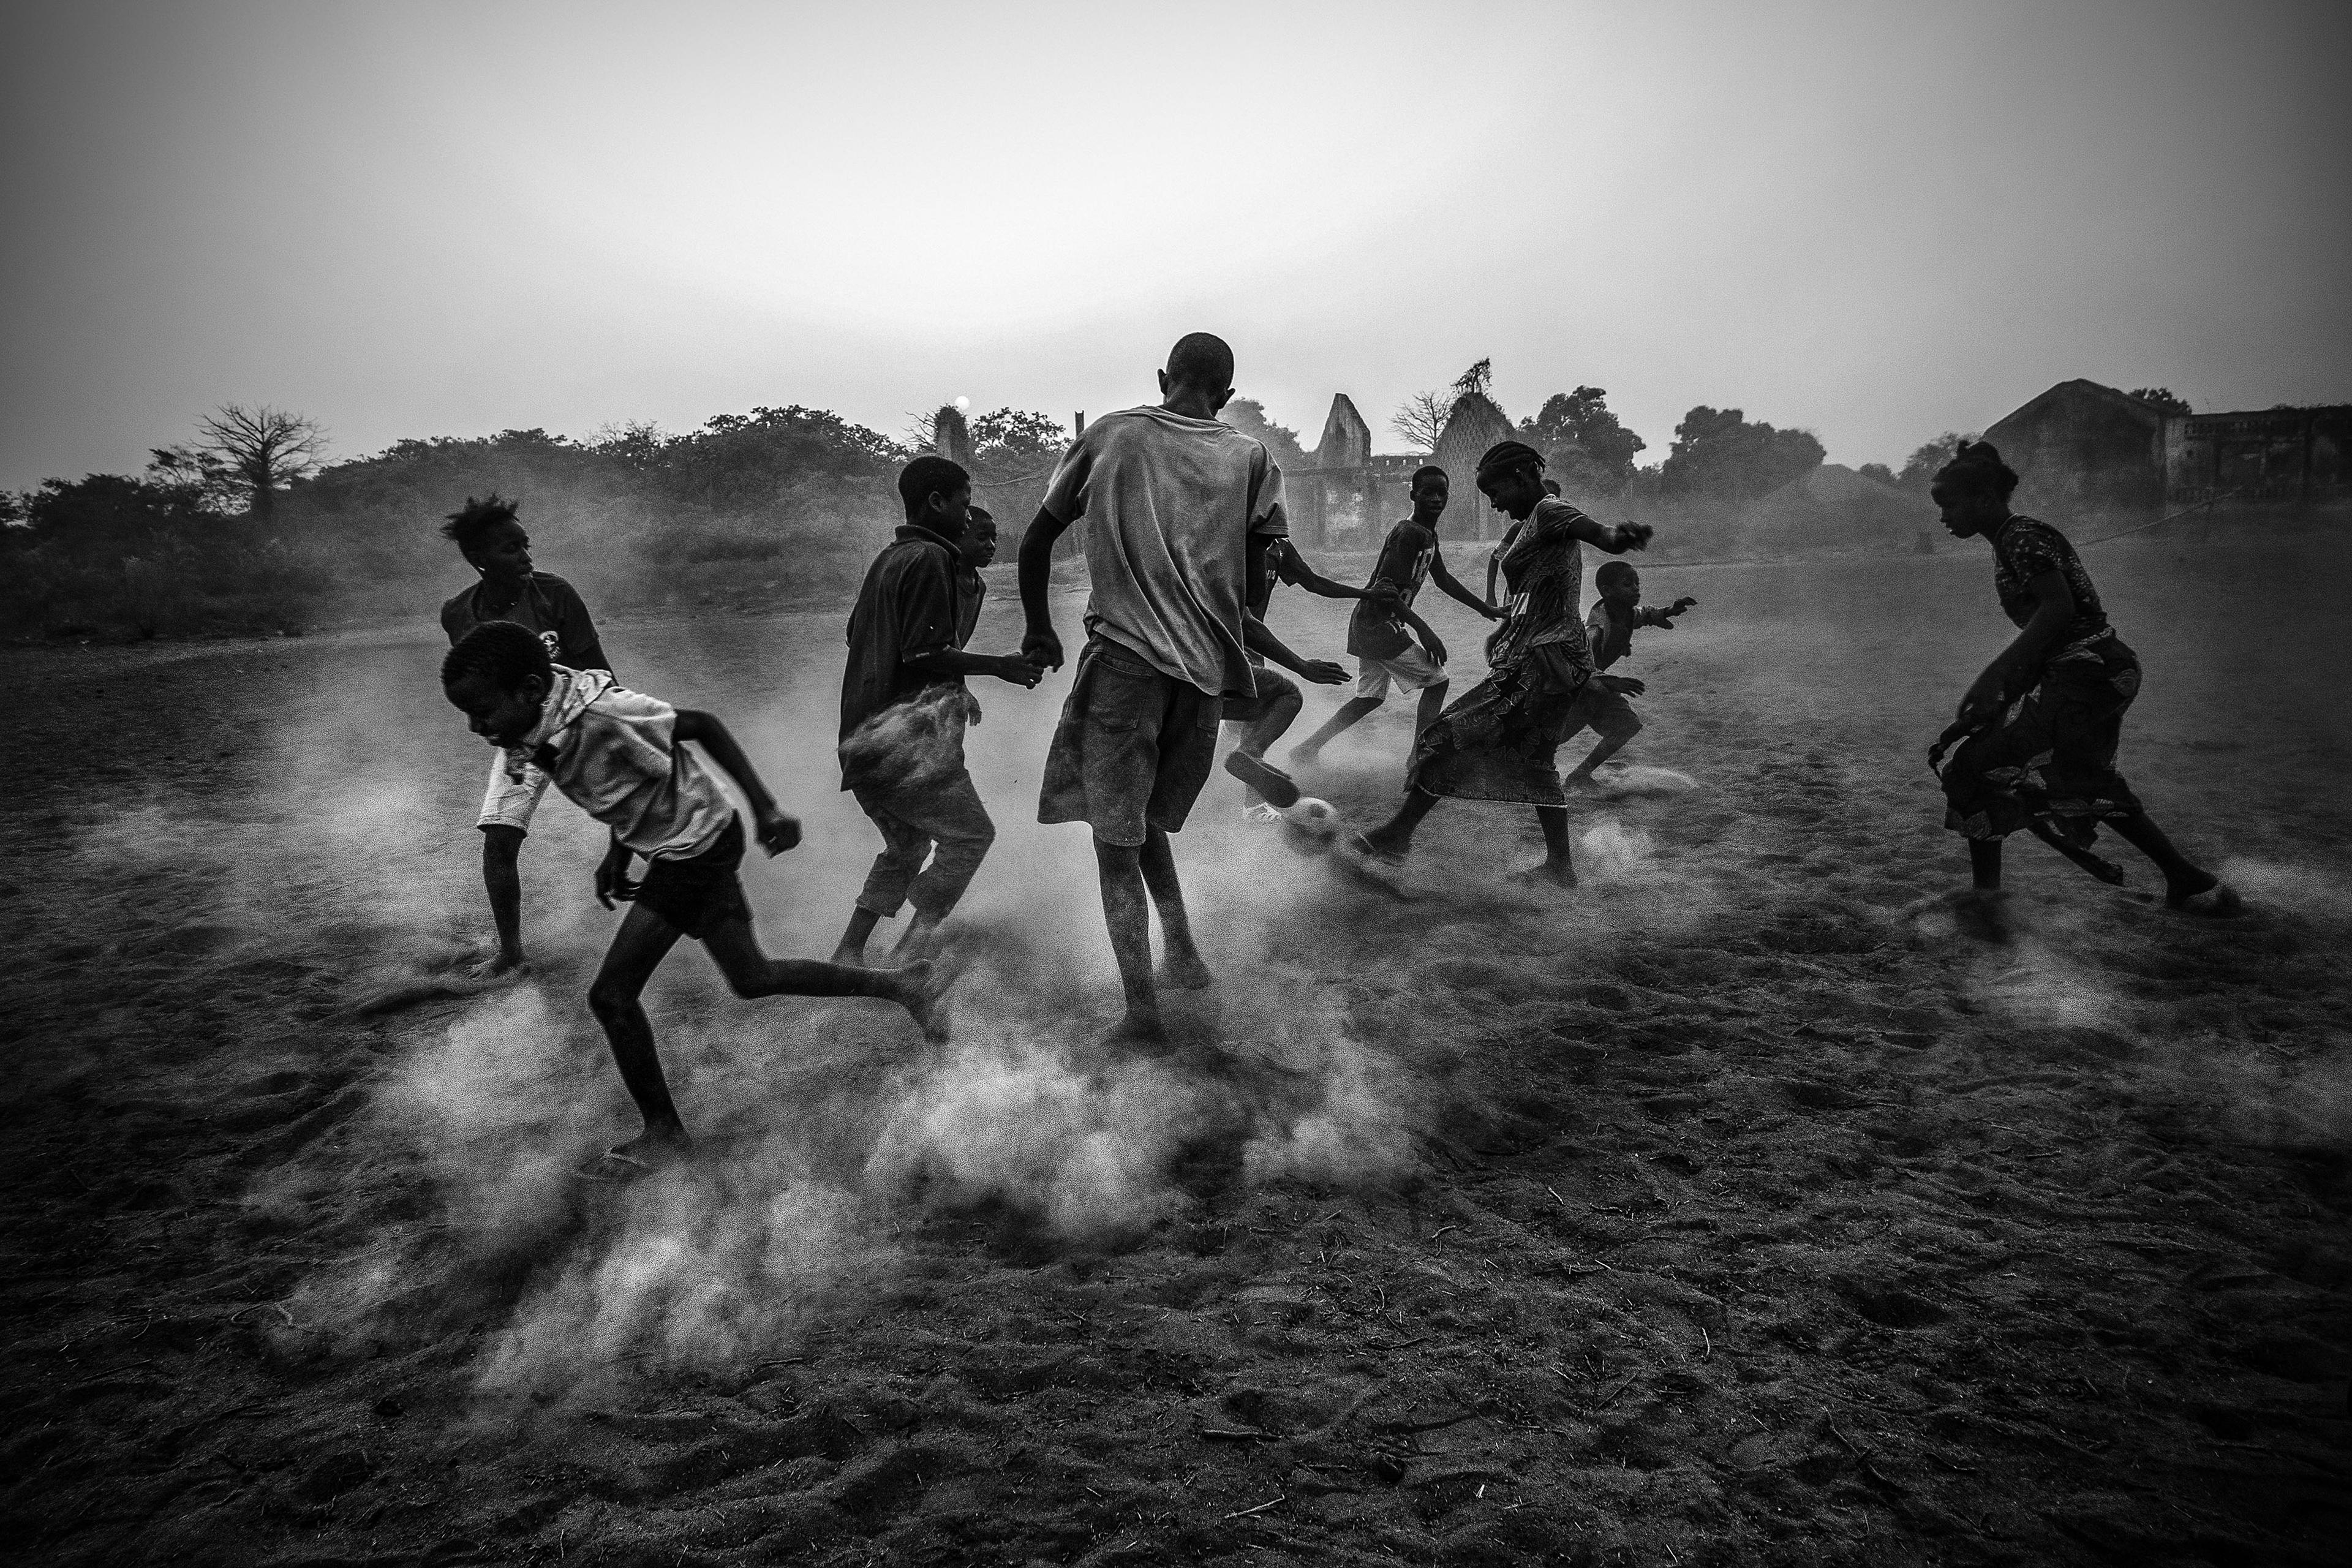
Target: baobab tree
{"type": "Point", "coordinates": [261, 450]}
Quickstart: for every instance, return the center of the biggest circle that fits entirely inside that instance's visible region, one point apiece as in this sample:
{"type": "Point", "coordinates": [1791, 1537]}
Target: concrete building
{"type": "Point", "coordinates": [2081, 447]}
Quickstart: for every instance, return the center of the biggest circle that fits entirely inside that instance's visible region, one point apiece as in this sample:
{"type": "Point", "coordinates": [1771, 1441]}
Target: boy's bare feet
{"type": "Point", "coordinates": [1139, 1027]}
{"type": "Point", "coordinates": [2216, 899]}
{"type": "Point", "coordinates": [1549, 874]}
{"type": "Point", "coordinates": [1375, 846]}
{"type": "Point", "coordinates": [499, 966]}
{"type": "Point", "coordinates": [655, 1149]}
{"type": "Point", "coordinates": [1185, 972]}
{"type": "Point", "coordinates": [1306, 756]}
{"type": "Point", "coordinates": [911, 988]}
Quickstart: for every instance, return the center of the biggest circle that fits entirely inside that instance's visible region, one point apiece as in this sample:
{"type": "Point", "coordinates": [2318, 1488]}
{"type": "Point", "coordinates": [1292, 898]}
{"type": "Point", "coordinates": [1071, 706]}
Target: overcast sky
{"type": "Point", "coordinates": [1877, 221]}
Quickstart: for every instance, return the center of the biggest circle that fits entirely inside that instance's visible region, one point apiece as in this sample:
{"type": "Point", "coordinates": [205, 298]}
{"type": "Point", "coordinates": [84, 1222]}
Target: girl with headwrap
{"type": "Point", "coordinates": [1496, 742]}
{"type": "Point", "coordinates": [2043, 722]}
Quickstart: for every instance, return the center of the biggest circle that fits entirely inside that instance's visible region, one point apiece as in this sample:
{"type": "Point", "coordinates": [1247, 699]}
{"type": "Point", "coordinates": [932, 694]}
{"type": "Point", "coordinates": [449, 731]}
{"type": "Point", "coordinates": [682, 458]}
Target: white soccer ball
{"type": "Point", "coordinates": [1312, 826]}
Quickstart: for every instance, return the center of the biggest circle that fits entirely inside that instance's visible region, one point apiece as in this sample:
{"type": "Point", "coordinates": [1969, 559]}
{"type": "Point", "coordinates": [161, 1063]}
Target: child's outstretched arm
{"type": "Point", "coordinates": [1010, 667]}
{"type": "Point", "coordinates": [776, 831]}
{"type": "Point", "coordinates": [1452, 589]}
{"type": "Point", "coordinates": [1259, 639]}
{"type": "Point", "coordinates": [1616, 538]}
{"type": "Point", "coordinates": [1295, 571]}
{"type": "Point", "coordinates": [1651, 615]}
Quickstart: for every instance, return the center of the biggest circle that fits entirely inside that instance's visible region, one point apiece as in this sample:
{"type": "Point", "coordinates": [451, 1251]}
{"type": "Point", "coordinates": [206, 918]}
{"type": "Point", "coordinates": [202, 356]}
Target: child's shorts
{"type": "Point", "coordinates": [700, 892]}
{"type": "Point", "coordinates": [1610, 716]}
{"type": "Point", "coordinates": [508, 802]}
{"type": "Point", "coordinates": [1412, 669]}
{"type": "Point", "coordinates": [1132, 750]}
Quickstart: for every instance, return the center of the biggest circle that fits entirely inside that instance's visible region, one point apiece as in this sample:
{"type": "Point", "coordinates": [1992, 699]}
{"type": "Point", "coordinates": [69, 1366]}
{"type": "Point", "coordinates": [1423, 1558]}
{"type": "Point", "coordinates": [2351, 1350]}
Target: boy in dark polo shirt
{"type": "Point", "coordinates": [903, 708]}
{"type": "Point", "coordinates": [488, 535]}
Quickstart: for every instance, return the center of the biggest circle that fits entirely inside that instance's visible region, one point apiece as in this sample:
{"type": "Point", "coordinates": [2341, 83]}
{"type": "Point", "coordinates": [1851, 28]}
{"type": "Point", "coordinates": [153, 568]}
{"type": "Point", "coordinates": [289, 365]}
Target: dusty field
{"type": "Point", "coordinates": [1725, 1211]}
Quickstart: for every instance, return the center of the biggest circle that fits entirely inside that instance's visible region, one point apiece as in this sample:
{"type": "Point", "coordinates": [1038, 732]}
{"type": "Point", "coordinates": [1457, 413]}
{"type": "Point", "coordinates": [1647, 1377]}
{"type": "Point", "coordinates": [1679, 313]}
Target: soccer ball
{"type": "Point", "coordinates": [1311, 826]}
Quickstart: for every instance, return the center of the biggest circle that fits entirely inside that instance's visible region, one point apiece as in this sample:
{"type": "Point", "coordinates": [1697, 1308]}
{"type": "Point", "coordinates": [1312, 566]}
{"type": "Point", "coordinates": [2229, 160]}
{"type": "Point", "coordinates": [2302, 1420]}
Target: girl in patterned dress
{"type": "Point", "coordinates": [2044, 719]}
{"type": "Point", "coordinates": [1497, 742]}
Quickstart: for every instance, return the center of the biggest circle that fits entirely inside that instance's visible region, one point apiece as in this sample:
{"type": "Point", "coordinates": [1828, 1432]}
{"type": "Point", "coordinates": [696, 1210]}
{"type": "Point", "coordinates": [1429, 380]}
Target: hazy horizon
{"type": "Point", "coordinates": [1874, 222]}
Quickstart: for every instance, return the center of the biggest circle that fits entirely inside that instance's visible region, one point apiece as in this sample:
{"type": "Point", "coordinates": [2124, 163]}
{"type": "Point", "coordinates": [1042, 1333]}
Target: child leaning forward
{"type": "Point", "coordinates": [621, 757]}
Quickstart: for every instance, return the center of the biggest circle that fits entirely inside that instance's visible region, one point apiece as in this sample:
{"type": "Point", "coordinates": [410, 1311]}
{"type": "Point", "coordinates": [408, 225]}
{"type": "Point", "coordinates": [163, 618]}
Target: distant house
{"type": "Point", "coordinates": [1337, 499]}
{"type": "Point", "coordinates": [2083, 447]}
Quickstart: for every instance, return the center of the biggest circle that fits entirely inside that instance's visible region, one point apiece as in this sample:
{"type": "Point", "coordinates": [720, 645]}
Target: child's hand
{"type": "Point", "coordinates": [1322, 672]}
{"type": "Point", "coordinates": [1043, 649]}
{"type": "Point", "coordinates": [1984, 699]}
{"type": "Point", "coordinates": [1636, 535]}
{"type": "Point", "coordinates": [777, 832]}
{"type": "Point", "coordinates": [1628, 685]}
{"type": "Point", "coordinates": [1682, 605]}
{"type": "Point", "coordinates": [1493, 612]}
{"type": "Point", "coordinates": [1017, 669]}
{"type": "Point", "coordinates": [613, 883]}
{"type": "Point", "coordinates": [1434, 645]}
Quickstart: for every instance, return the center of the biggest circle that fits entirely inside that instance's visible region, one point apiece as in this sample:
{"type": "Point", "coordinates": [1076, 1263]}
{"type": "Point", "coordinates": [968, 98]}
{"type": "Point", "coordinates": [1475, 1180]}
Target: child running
{"type": "Point", "coordinates": [1381, 634]}
{"type": "Point", "coordinates": [1179, 509]}
{"type": "Point", "coordinates": [1263, 718]}
{"type": "Point", "coordinates": [2044, 719]}
{"type": "Point", "coordinates": [622, 758]}
{"type": "Point", "coordinates": [903, 708]}
{"type": "Point", "coordinates": [1497, 743]}
{"type": "Point", "coordinates": [491, 537]}
{"type": "Point", "coordinates": [1617, 612]}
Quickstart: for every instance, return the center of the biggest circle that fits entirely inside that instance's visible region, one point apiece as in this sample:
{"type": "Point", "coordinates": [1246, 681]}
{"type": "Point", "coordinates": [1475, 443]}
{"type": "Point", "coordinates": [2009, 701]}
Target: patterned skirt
{"type": "Point", "coordinates": [2051, 757]}
{"type": "Point", "coordinates": [1498, 741]}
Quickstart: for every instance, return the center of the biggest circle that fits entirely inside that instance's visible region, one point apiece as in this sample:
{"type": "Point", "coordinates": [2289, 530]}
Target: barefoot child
{"type": "Point", "coordinates": [1179, 509]}
{"type": "Point", "coordinates": [621, 757]}
{"type": "Point", "coordinates": [903, 708]}
{"type": "Point", "coordinates": [1617, 612]}
{"type": "Point", "coordinates": [2045, 718]}
{"type": "Point", "coordinates": [1499, 742]}
{"type": "Point", "coordinates": [1263, 718]}
{"type": "Point", "coordinates": [494, 545]}
{"type": "Point", "coordinates": [1381, 634]}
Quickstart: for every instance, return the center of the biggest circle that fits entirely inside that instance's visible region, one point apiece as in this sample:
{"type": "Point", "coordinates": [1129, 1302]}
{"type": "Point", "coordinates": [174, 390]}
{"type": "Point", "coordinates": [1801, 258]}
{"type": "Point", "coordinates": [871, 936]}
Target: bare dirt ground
{"type": "Point", "coordinates": [1731, 1209]}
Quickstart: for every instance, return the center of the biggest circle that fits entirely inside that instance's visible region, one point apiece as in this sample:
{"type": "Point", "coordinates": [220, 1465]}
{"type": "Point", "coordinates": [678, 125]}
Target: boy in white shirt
{"type": "Point", "coordinates": [620, 756]}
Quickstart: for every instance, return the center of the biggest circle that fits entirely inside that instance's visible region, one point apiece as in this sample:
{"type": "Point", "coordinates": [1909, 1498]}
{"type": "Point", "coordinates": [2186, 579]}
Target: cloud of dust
{"type": "Point", "coordinates": [824, 1126]}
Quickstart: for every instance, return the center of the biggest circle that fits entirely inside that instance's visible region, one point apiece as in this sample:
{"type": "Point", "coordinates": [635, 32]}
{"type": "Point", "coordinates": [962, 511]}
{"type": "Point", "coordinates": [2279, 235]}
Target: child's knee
{"type": "Point", "coordinates": [1627, 727]}
{"type": "Point", "coordinates": [610, 999]}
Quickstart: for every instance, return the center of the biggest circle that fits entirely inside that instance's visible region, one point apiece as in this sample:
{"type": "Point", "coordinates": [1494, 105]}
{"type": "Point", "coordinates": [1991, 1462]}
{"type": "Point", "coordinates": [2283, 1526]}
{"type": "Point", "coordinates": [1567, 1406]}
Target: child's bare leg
{"type": "Point", "coordinates": [1351, 712]}
{"type": "Point", "coordinates": [1558, 865]}
{"type": "Point", "coordinates": [1269, 726]}
{"type": "Point", "coordinates": [644, 940]}
{"type": "Point", "coordinates": [1395, 837]}
{"type": "Point", "coordinates": [915, 944]}
{"type": "Point", "coordinates": [751, 973]}
{"type": "Point", "coordinates": [1611, 743]}
{"type": "Point", "coordinates": [502, 879]}
{"type": "Point", "coordinates": [851, 948]}
{"type": "Point", "coordinates": [1126, 913]}
{"type": "Point", "coordinates": [2183, 878]}
{"type": "Point", "coordinates": [1984, 864]}
{"type": "Point", "coordinates": [1182, 967]}
{"type": "Point", "coordinates": [1432, 703]}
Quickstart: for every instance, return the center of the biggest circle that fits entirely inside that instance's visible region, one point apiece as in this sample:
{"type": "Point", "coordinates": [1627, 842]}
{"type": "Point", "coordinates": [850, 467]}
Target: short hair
{"type": "Point", "coordinates": [1612, 571]}
{"type": "Point", "coordinates": [928, 476]}
{"type": "Point", "coordinates": [469, 523]}
{"type": "Point", "coordinates": [506, 653]}
{"type": "Point", "coordinates": [1202, 360]}
{"type": "Point", "coordinates": [1425, 471]}
{"type": "Point", "coordinates": [1977, 469]}
{"type": "Point", "coordinates": [981, 514]}
{"type": "Point", "coordinates": [1551, 487]}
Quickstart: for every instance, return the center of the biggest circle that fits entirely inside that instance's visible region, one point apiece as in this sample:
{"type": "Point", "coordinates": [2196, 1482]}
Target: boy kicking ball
{"type": "Point", "coordinates": [620, 756]}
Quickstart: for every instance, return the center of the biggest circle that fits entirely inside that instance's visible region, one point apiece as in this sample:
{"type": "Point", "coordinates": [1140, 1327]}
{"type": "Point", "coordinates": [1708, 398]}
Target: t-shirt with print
{"type": "Point", "coordinates": [613, 752]}
{"type": "Point", "coordinates": [1374, 631]}
{"type": "Point", "coordinates": [2024, 549]}
{"type": "Point", "coordinates": [548, 605]}
{"type": "Point", "coordinates": [1170, 504]}
{"type": "Point", "coordinates": [906, 609]}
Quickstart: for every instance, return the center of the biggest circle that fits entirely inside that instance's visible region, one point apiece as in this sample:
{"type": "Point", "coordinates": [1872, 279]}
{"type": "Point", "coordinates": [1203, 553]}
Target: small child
{"type": "Point", "coordinates": [492, 537]}
{"type": "Point", "coordinates": [903, 708]}
{"type": "Point", "coordinates": [1617, 611]}
{"type": "Point", "coordinates": [621, 757]}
